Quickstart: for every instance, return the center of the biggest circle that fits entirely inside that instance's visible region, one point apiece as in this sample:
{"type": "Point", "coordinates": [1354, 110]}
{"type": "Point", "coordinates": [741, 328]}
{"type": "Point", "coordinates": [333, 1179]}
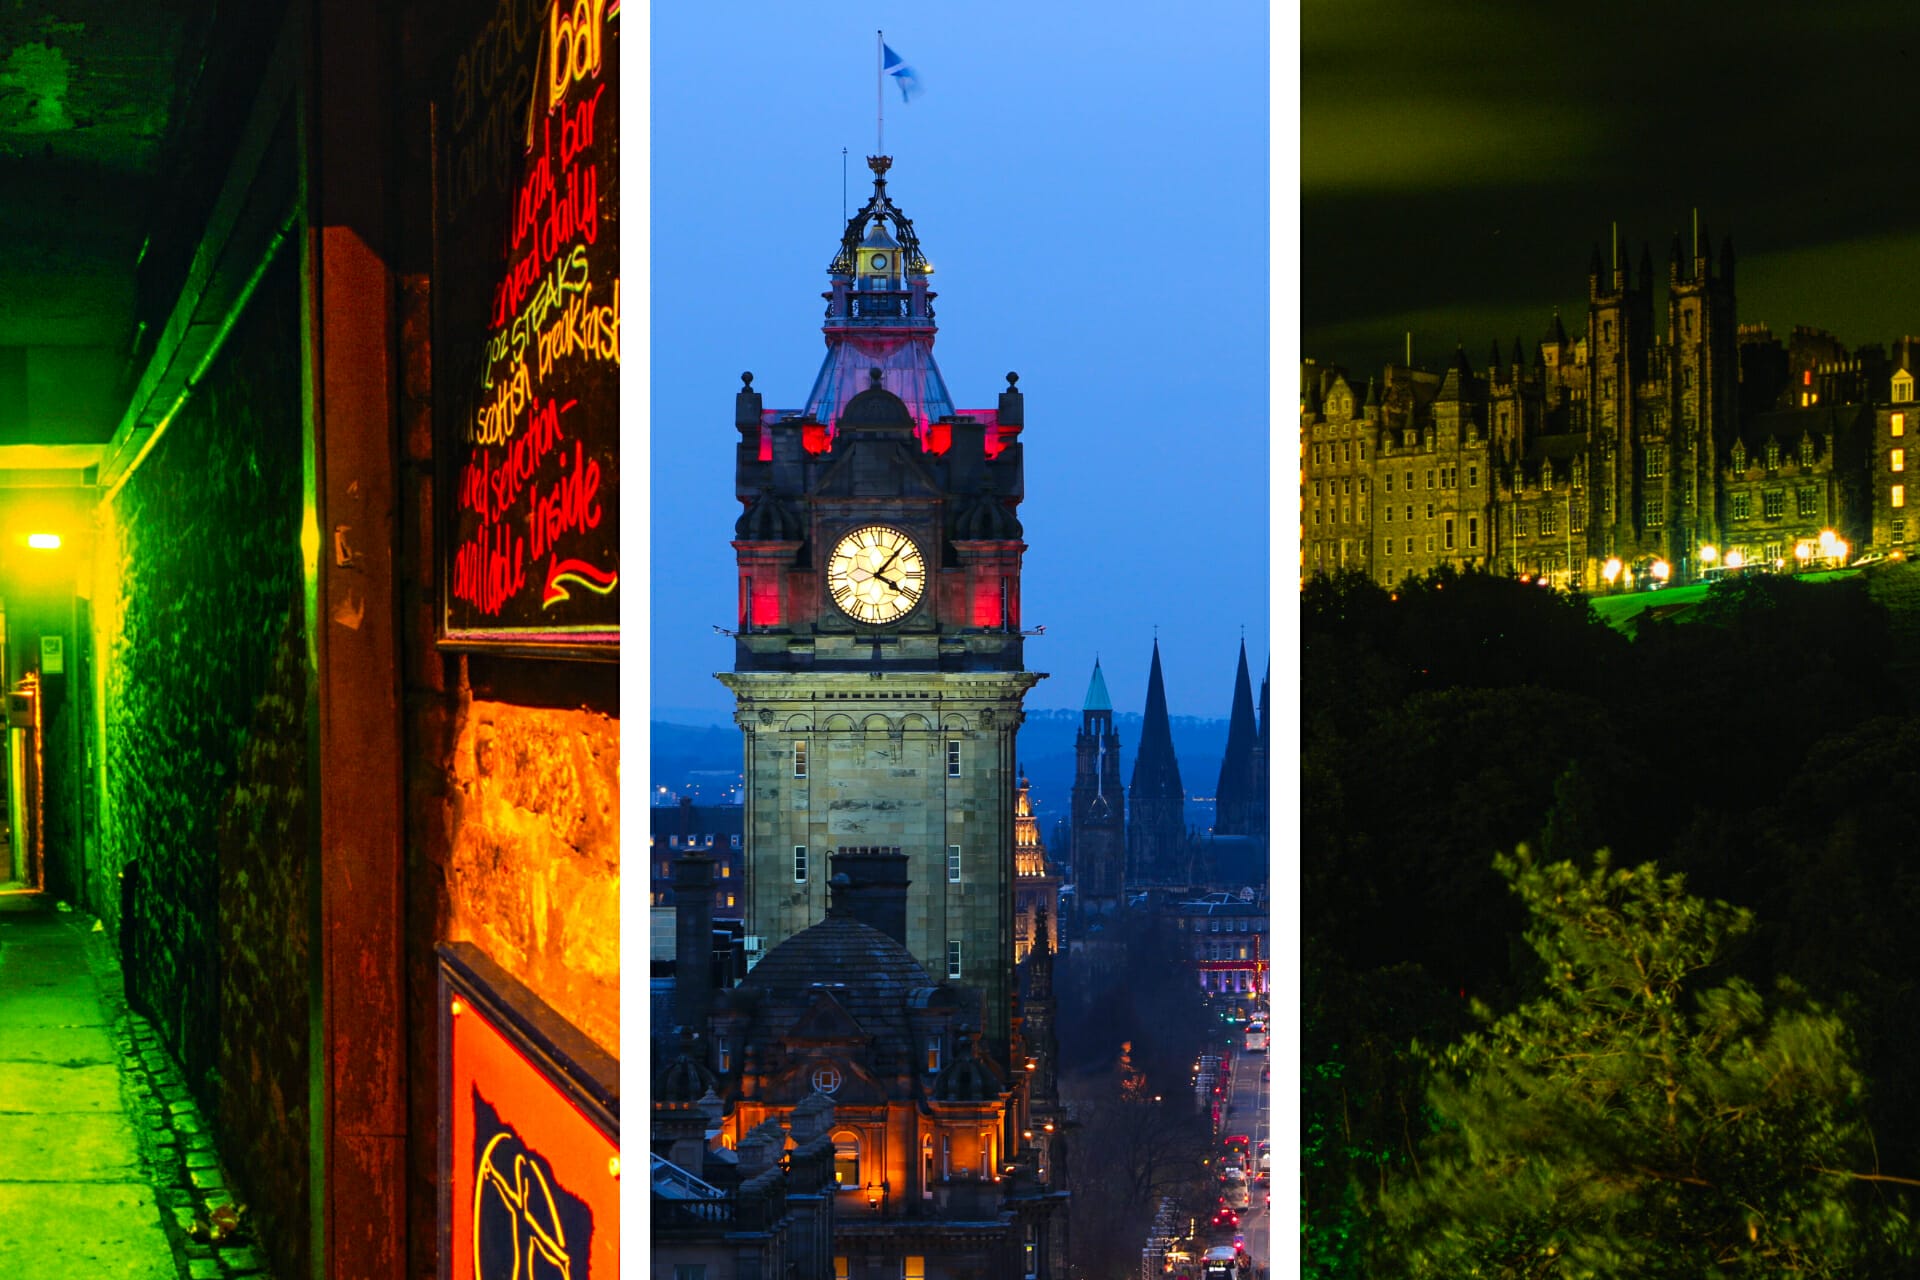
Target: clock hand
{"type": "Point", "coordinates": [889, 560]}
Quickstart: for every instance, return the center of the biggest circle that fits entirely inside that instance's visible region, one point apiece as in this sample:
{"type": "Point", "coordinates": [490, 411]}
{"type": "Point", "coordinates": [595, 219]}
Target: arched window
{"type": "Point", "coordinates": [846, 1160]}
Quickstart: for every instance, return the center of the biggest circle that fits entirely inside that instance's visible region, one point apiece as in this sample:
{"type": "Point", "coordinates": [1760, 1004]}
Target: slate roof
{"type": "Point", "coordinates": [876, 978]}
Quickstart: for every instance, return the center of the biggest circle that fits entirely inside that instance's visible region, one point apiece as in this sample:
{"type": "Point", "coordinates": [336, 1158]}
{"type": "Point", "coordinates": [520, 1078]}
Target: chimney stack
{"type": "Point", "coordinates": [870, 883]}
{"type": "Point", "coordinates": [693, 949]}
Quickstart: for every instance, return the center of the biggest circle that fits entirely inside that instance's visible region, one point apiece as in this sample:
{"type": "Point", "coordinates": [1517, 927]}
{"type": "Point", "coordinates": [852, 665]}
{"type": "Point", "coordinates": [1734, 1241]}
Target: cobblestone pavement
{"type": "Point", "coordinates": [108, 1171]}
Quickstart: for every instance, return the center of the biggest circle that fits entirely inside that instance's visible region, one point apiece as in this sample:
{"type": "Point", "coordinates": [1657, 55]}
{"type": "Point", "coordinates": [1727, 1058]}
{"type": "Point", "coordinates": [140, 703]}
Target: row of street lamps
{"type": "Point", "coordinates": [1829, 546]}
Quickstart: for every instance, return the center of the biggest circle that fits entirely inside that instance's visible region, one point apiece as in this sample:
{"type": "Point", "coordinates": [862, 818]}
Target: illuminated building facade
{"type": "Point", "coordinates": [1681, 446]}
{"type": "Point", "coordinates": [1036, 880]}
{"type": "Point", "coordinates": [878, 671]}
{"type": "Point", "coordinates": [945, 1160]}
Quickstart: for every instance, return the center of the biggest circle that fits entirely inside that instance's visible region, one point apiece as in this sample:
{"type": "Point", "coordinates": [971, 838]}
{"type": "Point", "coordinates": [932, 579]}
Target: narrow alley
{"type": "Point", "coordinates": [309, 747]}
{"type": "Point", "coordinates": [107, 1170]}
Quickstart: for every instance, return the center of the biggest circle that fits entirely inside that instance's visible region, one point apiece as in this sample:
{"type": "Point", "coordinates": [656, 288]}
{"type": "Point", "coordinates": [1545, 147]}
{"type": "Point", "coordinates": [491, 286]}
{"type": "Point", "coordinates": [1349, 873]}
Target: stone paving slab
{"type": "Point", "coordinates": [99, 1231]}
{"type": "Point", "coordinates": [85, 1148]}
{"type": "Point", "coordinates": [92, 1044]}
{"type": "Point", "coordinates": [39, 1088]}
{"type": "Point", "coordinates": [24, 1011]}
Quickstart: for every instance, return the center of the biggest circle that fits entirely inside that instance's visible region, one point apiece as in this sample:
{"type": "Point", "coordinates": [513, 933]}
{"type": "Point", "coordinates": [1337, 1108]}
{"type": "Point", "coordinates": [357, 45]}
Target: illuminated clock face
{"type": "Point", "coordinates": [879, 261]}
{"type": "Point", "coordinates": [876, 574]}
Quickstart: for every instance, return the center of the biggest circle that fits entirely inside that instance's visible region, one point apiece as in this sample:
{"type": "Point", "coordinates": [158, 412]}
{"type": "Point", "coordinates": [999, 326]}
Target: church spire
{"type": "Point", "coordinates": [1097, 699]}
{"type": "Point", "coordinates": [1234, 794]}
{"type": "Point", "coordinates": [1156, 808]}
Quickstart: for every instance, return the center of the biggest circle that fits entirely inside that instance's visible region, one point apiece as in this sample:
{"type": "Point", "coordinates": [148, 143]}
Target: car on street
{"type": "Point", "coordinates": [1225, 1217]}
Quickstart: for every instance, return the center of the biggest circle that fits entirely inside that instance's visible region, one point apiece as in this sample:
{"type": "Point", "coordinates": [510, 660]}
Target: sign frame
{"type": "Point", "coordinates": [584, 1080]}
{"type": "Point", "coordinates": [497, 55]}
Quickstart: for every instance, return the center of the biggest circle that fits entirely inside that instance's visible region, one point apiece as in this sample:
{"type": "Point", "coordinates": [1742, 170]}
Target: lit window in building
{"type": "Point", "coordinates": [729, 899]}
{"type": "Point", "coordinates": [1656, 461]}
{"type": "Point", "coordinates": [846, 1158]}
{"type": "Point", "coordinates": [1897, 460]}
{"type": "Point", "coordinates": [1897, 424]}
{"type": "Point", "coordinates": [1899, 495]}
{"type": "Point", "coordinates": [726, 871]}
{"type": "Point", "coordinates": [800, 759]}
{"type": "Point", "coordinates": [1656, 512]}
{"type": "Point", "coordinates": [842, 1268]}
{"type": "Point", "coordinates": [1520, 522]}
{"type": "Point", "coordinates": [1900, 530]}
{"type": "Point", "coordinates": [799, 864]}
{"type": "Point", "coordinates": [953, 757]}
{"type": "Point", "coordinates": [726, 1055]}
{"type": "Point", "coordinates": [1808, 500]}
{"type": "Point", "coordinates": [1741, 505]}
{"type": "Point", "coordinates": [953, 957]}
{"type": "Point", "coordinates": [914, 1268]}
{"type": "Point", "coordinates": [1806, 451]}
{"type": "Point", "coordinates": [1773, 455]}
{"type": "Point", "coordinates": [953, 864]}
{"type": "Point", "coordinates": [1774, 504]}
{"type": "Point", "coordinates": [933, 1054]}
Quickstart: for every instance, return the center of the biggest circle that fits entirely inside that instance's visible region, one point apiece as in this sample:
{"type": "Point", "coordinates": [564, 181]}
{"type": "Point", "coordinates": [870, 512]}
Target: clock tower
{"type": "Point", "coordinates": [878, 669]}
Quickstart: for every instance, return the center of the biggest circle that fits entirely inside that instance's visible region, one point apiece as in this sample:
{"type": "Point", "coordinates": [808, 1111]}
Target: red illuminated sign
{"type": "Point", "coordinates": [530, 1147]}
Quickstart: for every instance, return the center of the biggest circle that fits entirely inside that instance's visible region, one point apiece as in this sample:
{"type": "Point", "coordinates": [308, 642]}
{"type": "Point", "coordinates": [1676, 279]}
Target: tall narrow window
{"type": "Point", "coordinates": [846, 1160]}
{"type": "Point", "coordinates": [1899, 495]}
{"type": "Point", "coordinates": [1897, 460]}
{"type": "Point", "coordinates": [953, 864]}
{"type": "Point", "coordinates": [953, 757]}
{"type": "Point", "coordinates": [914, 1268]}
{"type": "Point", "coordinates": [1473, 531]}
{"type": "Point", "coordinates": [800, 758]}
{"type": "Point", "coordinates": [953, 957]}
{"type": "Point", "coordinates": [933, 1054]}
{"type": "Point", "coordinates": [1897, 424]}
{"type": "Point", "coordinates": [1449, 535]}
{"type": "Point", "coordinates": [799, 864]}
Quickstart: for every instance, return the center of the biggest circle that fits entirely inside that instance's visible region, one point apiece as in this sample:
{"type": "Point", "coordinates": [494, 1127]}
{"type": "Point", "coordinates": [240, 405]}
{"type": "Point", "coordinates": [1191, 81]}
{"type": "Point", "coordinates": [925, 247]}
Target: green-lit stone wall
{"type": "Point", "coordinates": [204, 814]}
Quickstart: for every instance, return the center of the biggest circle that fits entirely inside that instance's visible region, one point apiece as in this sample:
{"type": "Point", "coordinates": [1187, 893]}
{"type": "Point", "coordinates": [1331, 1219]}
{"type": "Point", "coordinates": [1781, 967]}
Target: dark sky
{"type": "Point", "coordinates": [1459, 161]}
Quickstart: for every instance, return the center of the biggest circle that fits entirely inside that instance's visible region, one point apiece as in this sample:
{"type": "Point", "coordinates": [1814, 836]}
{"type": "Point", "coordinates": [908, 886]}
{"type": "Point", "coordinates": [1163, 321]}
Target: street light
{"type": "Point", "coordinates": [1611, 569]}
{"type": "Point", "coordinates": [1735, 559]}
{"type": "Point", "coordinates": [1662, 570]}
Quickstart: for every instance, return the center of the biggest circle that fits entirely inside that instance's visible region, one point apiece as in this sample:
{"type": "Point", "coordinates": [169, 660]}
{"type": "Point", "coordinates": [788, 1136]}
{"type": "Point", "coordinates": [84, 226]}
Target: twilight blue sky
{"type": "Point", "coordinates": [1093, 196]}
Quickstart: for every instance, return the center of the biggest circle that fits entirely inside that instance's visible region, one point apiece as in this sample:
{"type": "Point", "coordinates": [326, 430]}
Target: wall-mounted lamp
{"type": "Point", "coordinates": [876, 1192]}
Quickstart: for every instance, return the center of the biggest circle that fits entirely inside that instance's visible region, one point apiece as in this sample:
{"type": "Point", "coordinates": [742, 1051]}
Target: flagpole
{"type": "Point", "coordinates": [879, 98]}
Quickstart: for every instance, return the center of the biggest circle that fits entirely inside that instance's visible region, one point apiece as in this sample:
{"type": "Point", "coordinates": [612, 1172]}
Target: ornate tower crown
{"type": "Point", "coordinates": [880, 315]}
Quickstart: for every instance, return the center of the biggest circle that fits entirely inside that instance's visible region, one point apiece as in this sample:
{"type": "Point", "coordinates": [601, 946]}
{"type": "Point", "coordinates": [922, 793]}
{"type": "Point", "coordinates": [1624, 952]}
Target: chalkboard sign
{"type": "Point", "coordinates": [526, 291]}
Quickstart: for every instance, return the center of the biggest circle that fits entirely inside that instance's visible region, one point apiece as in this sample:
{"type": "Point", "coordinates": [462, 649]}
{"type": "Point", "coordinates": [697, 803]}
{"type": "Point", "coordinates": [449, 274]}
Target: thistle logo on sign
{"type": "Point", "coordinates": [53, 655]}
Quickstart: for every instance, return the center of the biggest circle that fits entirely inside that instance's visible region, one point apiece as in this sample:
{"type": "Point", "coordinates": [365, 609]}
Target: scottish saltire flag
{"type": "Point", "coordinates": [903, 75]}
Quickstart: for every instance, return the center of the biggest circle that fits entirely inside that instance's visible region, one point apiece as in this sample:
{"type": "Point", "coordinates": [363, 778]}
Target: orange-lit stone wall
{"type": "Point", "coordinates": [533, 873]}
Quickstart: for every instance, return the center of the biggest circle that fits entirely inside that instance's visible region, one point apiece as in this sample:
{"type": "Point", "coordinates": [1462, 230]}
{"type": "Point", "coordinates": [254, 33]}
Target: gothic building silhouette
{"type": "Point", "coordinates": [1683, 442]}
{"type": "Point", "coordinates": [1123, 843]}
